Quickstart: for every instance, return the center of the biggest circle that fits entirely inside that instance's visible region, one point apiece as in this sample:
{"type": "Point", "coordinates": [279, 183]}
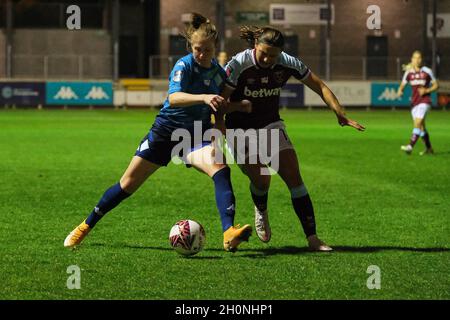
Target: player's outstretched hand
{"type": "Point", "coordinates": [344, 121]}
{"type": "Point", "coordinates": [214, 101]}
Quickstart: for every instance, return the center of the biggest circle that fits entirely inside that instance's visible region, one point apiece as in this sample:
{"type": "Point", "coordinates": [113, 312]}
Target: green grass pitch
{"type": "Point", "coordinates": [374, 205]}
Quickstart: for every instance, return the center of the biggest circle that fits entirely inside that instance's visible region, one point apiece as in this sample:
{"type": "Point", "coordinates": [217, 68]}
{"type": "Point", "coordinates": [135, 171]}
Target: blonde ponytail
{"type": "Point", "coordinates": [200, 25]}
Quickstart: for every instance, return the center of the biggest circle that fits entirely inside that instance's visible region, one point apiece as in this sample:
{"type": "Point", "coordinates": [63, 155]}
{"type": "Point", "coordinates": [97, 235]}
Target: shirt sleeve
{"type": "Point", "coordinates": [179, 77]}
{"type": "Point", "coordinates": [233, 71]}
{"type": "Point", "coordinates": [431, 74]}
{"type": "Point", "coordinates": [299, 70]}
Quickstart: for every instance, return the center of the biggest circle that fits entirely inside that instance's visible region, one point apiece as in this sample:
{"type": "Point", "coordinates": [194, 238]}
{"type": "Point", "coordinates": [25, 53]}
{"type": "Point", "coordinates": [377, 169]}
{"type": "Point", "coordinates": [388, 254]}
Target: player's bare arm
{"type": "Point", "coordinates": [182, 99]}
{"type": "Point", "coordinates": [400, 89]}
{"type": "Point", "coordinates": [318, 86]}
{"type": "Point", "coordinates": [242, 106]}
{"type": "Point", "coordinates": [434, 86]}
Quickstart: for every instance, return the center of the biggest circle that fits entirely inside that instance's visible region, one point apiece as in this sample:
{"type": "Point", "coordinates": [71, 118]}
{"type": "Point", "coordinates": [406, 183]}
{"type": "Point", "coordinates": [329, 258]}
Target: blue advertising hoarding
{"type": "Point", "coordinates": [385, 94]}
{"type": "Point", "coordinates": [22, 93]}
{"type": "Point", "coordinates": [79, 93]}
{"type": "Point", "coordinates": [292, 95]}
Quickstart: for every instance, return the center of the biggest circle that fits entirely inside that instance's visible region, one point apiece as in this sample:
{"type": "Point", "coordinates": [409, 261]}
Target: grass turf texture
{"type": "Point", "coordinates": [374, 205]}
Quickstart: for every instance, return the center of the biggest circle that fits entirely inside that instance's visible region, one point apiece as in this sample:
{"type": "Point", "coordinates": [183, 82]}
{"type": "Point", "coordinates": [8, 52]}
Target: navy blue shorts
{"type": "Point", "coordinates": [158, 149]}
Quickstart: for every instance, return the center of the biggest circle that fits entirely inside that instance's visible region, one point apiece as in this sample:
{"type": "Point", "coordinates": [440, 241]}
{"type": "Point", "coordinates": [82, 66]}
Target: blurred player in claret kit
{"type": "Point", "coordinates": [423, 82]}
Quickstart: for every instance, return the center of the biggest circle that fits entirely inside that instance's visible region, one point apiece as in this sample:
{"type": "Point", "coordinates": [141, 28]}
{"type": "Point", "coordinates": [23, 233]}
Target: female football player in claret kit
{"type": "Point", "coordinates": [258, 74]}
{"type": "Point", "coordinates": [423, 83]}
{"type": "Point", "coordinates": [195, 84]}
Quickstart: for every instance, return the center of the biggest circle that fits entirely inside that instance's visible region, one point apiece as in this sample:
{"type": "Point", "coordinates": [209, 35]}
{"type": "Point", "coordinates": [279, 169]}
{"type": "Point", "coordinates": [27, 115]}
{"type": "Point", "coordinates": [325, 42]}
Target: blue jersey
{"type": "Point", "coordinates": [189, 77]}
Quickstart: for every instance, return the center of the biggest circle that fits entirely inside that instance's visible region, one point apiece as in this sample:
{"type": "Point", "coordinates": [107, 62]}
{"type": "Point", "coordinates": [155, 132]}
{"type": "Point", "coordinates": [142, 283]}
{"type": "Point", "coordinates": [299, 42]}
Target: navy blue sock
{"type": "Point", "coordinates": [259, 197]}
{"type": "Point", "coordinates": [304, 209]}
{"type": "Point", "coordinates": [111, 198]}
{"type": "Point", "coordinates": [224, 197]}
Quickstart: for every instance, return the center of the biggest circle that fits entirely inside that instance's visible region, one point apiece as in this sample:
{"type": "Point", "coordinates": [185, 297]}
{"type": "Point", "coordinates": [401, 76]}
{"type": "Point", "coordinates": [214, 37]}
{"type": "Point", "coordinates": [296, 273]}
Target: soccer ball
{"type": "Point", "coordinates": [187, 237]}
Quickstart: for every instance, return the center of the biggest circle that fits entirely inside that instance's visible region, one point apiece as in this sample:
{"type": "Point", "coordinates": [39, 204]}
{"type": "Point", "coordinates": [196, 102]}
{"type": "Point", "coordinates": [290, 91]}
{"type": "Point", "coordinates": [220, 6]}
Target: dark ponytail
{"type": "Point", "coordinates": [266, 35]}
{"type": "Point", "coordinates": [197, 20]}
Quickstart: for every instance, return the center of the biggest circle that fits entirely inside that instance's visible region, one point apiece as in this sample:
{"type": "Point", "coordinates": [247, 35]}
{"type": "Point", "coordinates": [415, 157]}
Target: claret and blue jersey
{"type": "Point", "coordinates": [419, 79]}
{"type": "Point", "coordinates": [262, 86]}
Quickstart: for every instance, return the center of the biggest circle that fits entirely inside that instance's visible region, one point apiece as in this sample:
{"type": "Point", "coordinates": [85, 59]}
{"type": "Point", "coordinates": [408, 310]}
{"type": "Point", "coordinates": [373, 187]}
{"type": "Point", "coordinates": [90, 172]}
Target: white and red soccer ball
{"type": "Point", "coordinates": [187, 237]}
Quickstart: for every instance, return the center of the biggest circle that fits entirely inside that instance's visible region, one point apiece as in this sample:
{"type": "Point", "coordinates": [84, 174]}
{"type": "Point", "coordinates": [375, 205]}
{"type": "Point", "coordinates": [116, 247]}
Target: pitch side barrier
{"type": "Point", "coordinates": [351, 94]}
{"type": "Point", "coordinates": [56, 93]}
{"type": "Point", "coordinates": [137, 93]}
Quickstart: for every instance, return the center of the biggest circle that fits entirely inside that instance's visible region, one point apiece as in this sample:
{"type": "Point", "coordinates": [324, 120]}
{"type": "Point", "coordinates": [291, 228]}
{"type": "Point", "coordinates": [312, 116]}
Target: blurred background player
{"type": "Point", "coordinates": [423, 82]}
{"type": "Point", "coordinates": [258, 74]}
{"type": "Point", "coordinates": [222, 58]}
{"type": "Point", "coordinates": [195, 83]}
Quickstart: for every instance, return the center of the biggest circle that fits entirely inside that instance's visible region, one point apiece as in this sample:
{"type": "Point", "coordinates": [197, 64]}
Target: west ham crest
{"type": "Point", "coordinates": [279, 76]}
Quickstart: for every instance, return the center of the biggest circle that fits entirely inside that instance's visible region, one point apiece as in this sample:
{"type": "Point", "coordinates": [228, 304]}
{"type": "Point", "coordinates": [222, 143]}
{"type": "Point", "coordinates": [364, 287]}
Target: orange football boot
{"type": "Point", "coordinates": [77, 235]}
{"type": "Point", "coordinates": [233, 236]}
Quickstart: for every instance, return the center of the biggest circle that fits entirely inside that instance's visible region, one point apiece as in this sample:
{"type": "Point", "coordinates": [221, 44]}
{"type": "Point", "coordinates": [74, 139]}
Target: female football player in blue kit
{"type": "Point", "coordinates": [258, 74]}
{"type": "Point", "coordinates": [195, 84]}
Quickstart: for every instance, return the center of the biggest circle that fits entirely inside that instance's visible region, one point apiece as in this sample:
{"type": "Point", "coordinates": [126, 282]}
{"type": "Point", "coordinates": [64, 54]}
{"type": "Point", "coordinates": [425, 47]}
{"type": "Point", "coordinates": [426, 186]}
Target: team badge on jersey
{"type": "Point", "coordinates": [265, 80]}
{"type": "Point", "coordinates": [177, 76]}
{"type": "Point", "coordinates": [279, 76]}
{"type": "Point", "coordinates": [207, 82]}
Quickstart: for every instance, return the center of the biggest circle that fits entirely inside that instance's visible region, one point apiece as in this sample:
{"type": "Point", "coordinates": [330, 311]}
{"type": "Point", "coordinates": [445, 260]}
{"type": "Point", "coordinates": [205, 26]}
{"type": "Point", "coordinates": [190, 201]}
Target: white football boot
{"type": "Point", "coordinates": [262, 225]}
{"type": "Point", "coordinates": [315, 244]}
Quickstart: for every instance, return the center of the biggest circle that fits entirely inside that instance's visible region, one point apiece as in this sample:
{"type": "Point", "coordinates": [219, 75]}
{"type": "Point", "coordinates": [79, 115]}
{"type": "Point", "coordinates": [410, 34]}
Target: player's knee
{"type": "Point", "coordinates": [129, 185]}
